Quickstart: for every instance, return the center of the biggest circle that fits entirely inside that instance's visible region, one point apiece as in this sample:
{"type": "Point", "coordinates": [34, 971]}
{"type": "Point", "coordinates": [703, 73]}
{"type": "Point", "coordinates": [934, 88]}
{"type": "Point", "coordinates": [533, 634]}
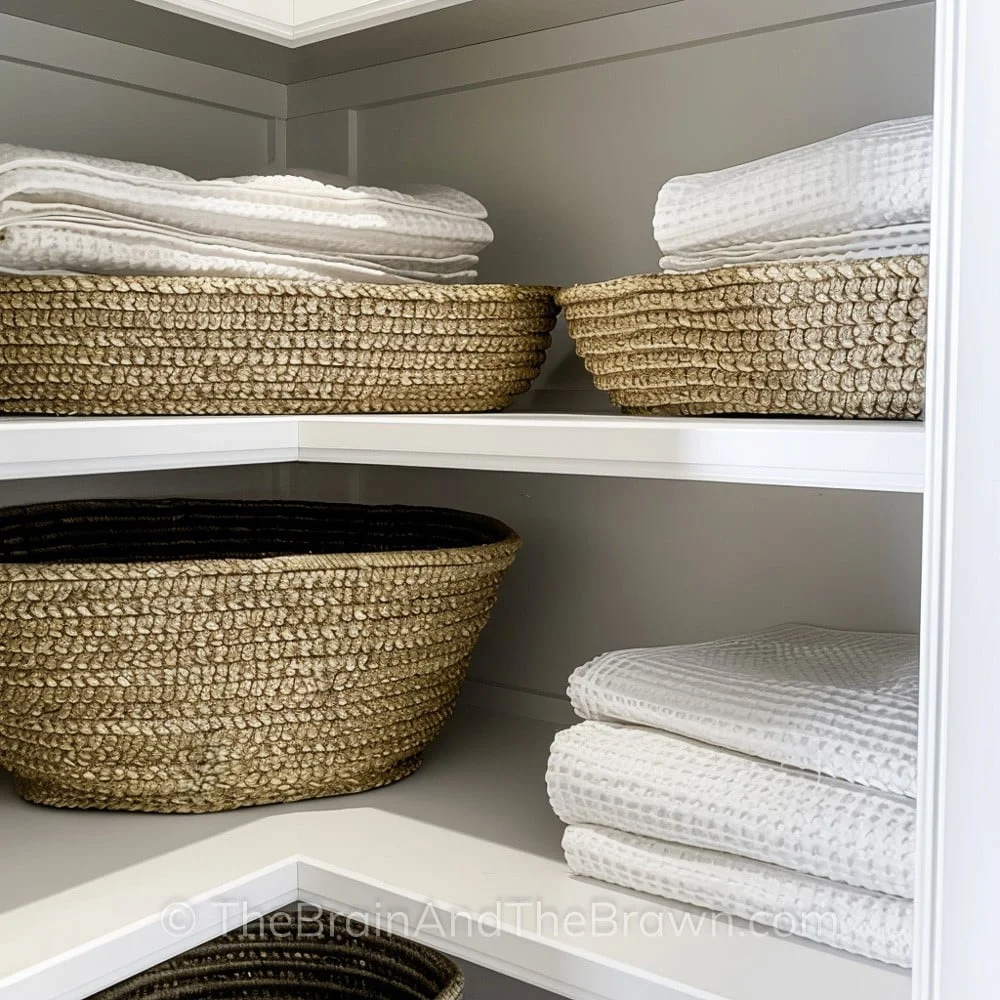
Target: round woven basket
{"type": "Point", "coordinates": [840, 339]}
{"type": "Point", "coordinates": [152, 345]}
{"type": "Point", "coordinates": [327, 959]}
{"type": "Point", "coordinates": [199, 655]}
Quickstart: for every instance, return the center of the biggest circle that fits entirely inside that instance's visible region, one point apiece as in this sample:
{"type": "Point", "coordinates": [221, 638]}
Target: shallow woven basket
{"type": "Point", "coordinates": [322, 959]}
{"type": "Point", "coordinates": [151, 345]}
{"type": "Point", "coordinates": [806, 339]}
{"type": "Point", "coordinates": [198, 655]}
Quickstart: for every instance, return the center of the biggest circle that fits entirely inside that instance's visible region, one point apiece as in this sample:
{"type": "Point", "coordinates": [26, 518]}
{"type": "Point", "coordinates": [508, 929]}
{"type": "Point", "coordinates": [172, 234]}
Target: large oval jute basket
{"type": "Point", "coordinates": [166, 345]}
{"type": "Point", "coordinates": [842, 339]}
{"type": "Point", "coordinates": [199, 655]}
{"type": "Point", "coordinates": [322, 958]}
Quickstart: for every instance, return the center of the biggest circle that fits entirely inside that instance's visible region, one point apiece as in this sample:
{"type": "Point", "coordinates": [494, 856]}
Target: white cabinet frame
{"type": "Point", "coordinates": [958, 931]}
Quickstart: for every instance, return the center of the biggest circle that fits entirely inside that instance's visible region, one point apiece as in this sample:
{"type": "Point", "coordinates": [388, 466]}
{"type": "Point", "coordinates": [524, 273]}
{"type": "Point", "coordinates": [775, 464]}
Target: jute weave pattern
{"type": "Point", "coordinates": [325, 960]}
{"type": "Point", "coordinates": [152, 345]}
{"type": "Point", "coordinates": [842, 339]}
{"type": "Point", "coordinates": [199, 655]}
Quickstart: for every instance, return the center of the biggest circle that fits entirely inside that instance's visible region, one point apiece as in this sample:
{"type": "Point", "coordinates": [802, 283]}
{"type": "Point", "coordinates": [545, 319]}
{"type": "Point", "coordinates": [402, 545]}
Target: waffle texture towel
{"type": "Point", "coordinates": [866, 923]}
{"type": "Point", "coordinates": [840, 703]}
{"type": "Point", "coordinates": [862, 194]}
{"type": "Point", "coordinates": [662, 786]}
{"type": "Point", "coordinates": [62, 213]}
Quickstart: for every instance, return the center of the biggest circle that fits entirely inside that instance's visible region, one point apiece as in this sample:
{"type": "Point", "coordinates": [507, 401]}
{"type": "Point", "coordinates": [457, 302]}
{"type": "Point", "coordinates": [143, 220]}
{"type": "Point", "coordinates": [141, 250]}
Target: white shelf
{"type": "Point", "coordinates": [826, 454]}
{"type": "Point", "coordinates": [837, 454]}
{"type": "Point", "coordinates": [470, 831]}
{"type": "Point", "coordinates": [34, 447]}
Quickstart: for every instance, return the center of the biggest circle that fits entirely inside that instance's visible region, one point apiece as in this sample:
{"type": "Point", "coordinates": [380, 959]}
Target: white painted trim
{"type": "Point", "coordinates": [858, 455]}
{"type": "Point", "coordinates": [949, 99]}
{"type": "Point", "coordinates": [311, 26]}
{"type": "Point", "coordinates": [672, 25]}
{"type": "Point", "coordinates": [86, 969]}
{"type": "Point", "coordinates": [957, 926]}
{"type": "Point", "coordinates": [36, 44]}
{"type": "Point", "coordinates": [828, 454]}
{"type": "Point", "coordinates": [382, 867]}
{"type": "Point", "coordinates": [36, 447]}
{"type": "Point", "coordinates": [294, 23]}
{"type": "Point", "coordinates": [245, 18]}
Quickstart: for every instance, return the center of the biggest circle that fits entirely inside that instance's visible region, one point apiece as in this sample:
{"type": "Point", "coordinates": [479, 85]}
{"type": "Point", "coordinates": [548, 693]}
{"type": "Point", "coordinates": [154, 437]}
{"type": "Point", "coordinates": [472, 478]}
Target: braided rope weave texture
{"type": "Point", "coordinates": [158, 345]}
{"type": "Point", "coordinates": [842, 339]}
{"type": "Point", "coordinates": [194, 656]}
{"type": "Point", "coordinates": [329, 960]}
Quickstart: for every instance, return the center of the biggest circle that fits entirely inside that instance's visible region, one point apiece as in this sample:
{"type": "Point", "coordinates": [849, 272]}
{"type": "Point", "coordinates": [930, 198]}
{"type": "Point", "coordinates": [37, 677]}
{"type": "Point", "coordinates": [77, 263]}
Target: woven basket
{"type": "Point", "coordinates": [816, 339]}
{"type": "Point", "coordinates": [200, 655]}
{"type": "Point", "coordinates": [151, 345]}
{"type": "Point", "coordinates": [328, 959]}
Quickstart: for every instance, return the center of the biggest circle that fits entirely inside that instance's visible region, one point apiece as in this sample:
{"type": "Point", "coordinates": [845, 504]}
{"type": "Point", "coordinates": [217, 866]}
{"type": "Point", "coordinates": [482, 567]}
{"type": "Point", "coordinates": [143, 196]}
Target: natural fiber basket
{"type": "Point", "coordinates": [323, 959]}
{"type": "Point", "coordinates": [806, 339]}
{"type": "Point", "coordinates": [198, 655]}
{"type": "Point", "coordinates": [152, 345]}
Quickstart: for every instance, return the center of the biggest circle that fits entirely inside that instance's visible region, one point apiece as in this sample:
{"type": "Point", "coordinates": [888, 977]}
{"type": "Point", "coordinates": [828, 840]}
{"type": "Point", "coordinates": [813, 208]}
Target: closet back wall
{"type": "Point", "coordinates": [569, 163]}
{"type": "Point", "coordinates": [67, 91]}
{"type": "Point", "coordinates": [608, 563]}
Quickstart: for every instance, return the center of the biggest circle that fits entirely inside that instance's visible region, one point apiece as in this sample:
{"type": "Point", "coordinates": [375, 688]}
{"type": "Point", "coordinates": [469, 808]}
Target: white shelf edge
{"type": "Point", "coordinates": [820, 454]}
{"type": "Point", "coordinates": [861, 455]}
{"type": "Point", "coordinates": [38, 447]}
{"type": "Point", "coordinates": [350, 860]}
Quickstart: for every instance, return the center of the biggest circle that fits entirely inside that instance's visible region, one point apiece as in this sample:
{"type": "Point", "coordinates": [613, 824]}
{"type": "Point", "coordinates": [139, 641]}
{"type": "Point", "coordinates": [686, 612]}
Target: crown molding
{"type": "Point", "coordinates": [294, 23]}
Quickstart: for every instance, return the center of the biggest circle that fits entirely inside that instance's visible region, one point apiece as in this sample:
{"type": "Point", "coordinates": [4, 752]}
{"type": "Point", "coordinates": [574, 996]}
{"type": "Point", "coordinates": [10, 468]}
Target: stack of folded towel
{"type": "Point", "coordinates": [63, 213]}
{"type": "Point", "coordinates": [862, 194]}
{"type": "Point", "coordinates": [771, 776]}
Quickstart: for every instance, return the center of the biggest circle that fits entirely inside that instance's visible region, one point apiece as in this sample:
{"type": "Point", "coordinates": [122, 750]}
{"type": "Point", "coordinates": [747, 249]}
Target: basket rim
{"type": "Point", "coordinates": [179, 285]}
{"type": "Point", "coordinates": [762, 273]}
{"type": "Point", "coordinates": [505, 546]}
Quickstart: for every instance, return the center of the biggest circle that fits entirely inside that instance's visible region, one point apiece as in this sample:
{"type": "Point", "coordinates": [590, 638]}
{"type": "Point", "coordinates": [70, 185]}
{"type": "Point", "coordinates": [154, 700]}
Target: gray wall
{"type": "Point", "coordinates": [54, 110]}
{"type": "Point", "coordinates": [69, 91]}
{"type": "Point", "coordinates": [609, 563]}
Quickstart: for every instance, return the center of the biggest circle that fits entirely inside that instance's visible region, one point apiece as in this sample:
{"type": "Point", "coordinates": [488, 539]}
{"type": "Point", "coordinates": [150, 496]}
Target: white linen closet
{"type": "Point", "coordinates": [563, 118]}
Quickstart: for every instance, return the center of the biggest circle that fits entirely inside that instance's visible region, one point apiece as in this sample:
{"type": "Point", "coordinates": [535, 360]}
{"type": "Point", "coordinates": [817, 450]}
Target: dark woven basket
{"type": "Point", "coordinates": [198, 655]}
{"type": "Point", "coordinates": [331, 960]}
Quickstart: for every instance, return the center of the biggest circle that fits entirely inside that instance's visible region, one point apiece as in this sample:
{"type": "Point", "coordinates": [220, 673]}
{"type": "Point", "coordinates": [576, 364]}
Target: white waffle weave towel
{"type": "Point", "coordinates": [670, 788]}
{"type": "Point", "coordinates": [281, 215]}
{"type": "Point", "coordinates": [862, 194]}
{"type": "Point", "coordinates": [70, 246]}
{"type": "Point", "coordinates": [841, 916]}
{"type": "Point", "coordinates": [841, 703]}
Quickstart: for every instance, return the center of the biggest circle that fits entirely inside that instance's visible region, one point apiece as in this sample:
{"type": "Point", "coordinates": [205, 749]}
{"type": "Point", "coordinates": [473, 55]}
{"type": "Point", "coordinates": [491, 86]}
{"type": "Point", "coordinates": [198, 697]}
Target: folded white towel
{"type": "Point", "coordinates": [281, 215]}
{"type": "Point", "coordinates": [891, 241]}
{"type": "Point", "coordinates": [840, 703]}
{"type": "Point", "coordinates": [662, 786]}
{"type": "Point", "coordinates": [44, 246]}
{"type": "Point", "coordinates": [275, 188]}
{"type": "Point", "coordinates": [864, 193]}
{"type": "Point", "coordinates": [865, 923]}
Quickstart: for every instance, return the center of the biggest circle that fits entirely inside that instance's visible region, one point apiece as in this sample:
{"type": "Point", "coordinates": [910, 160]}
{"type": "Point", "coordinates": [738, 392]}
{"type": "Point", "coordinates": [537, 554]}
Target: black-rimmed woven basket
{"type": "Point", "coordinates": [325, 959]}
{"type": "Point", "coordinates": [200, 655]}
{"type": "Point", "coordinates": [92, 344]}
